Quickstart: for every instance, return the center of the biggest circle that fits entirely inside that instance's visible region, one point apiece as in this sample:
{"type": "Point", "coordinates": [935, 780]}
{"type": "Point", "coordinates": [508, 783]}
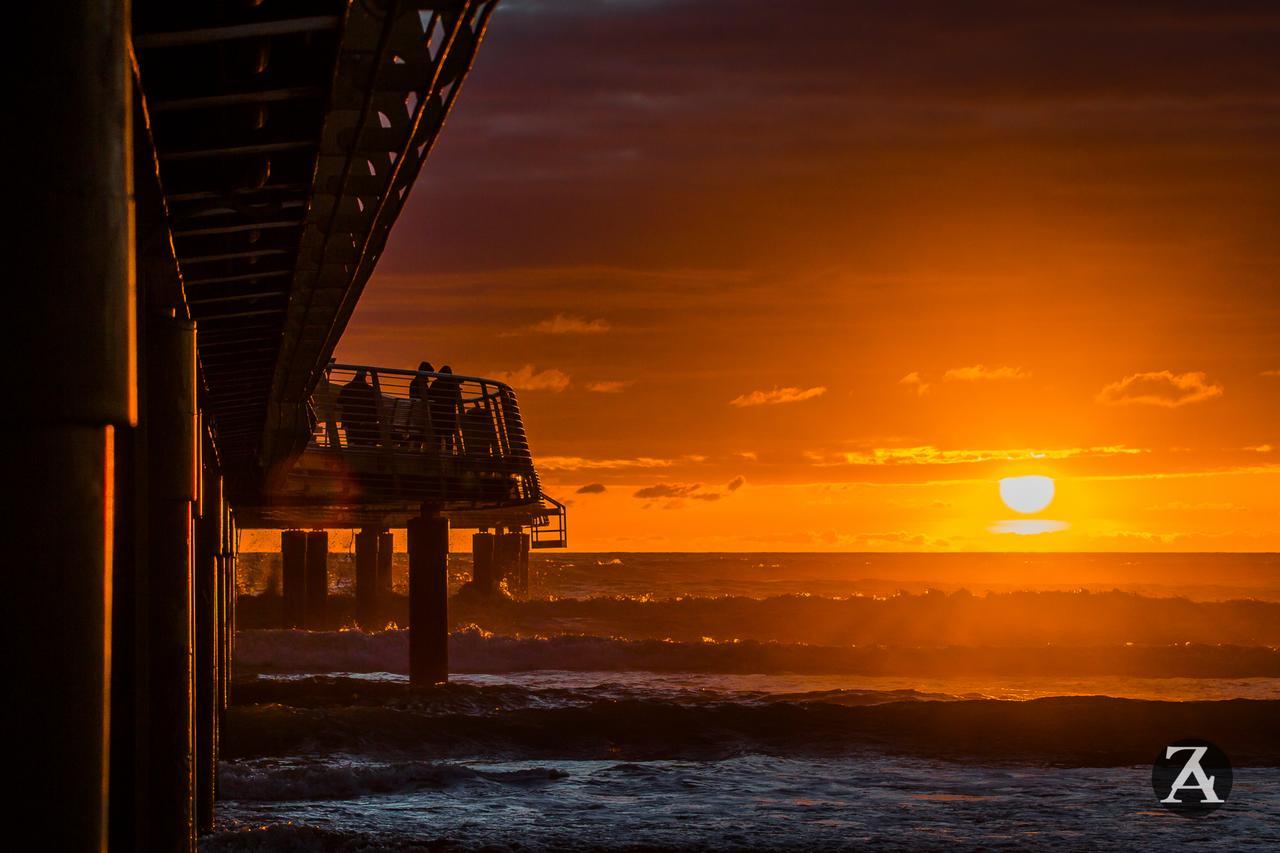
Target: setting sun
{"type": "Point", "coordinates": [1026, 494]}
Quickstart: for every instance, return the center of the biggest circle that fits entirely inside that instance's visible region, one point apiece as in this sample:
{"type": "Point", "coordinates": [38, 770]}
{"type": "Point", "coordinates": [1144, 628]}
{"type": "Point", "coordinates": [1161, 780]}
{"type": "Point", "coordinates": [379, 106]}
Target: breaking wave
{"type": "Point", "coordinates": [477, 651]}
{"type": "Point", "coordinates": [401, 726]}
{"type": "Point", "coordinates": [337, 779]}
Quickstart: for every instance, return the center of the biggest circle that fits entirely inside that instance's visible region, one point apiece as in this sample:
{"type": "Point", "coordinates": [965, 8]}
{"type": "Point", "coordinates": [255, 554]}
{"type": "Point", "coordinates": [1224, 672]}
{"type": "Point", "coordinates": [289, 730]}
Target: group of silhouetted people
{"type": "Point", "coordinates": [436, 418]}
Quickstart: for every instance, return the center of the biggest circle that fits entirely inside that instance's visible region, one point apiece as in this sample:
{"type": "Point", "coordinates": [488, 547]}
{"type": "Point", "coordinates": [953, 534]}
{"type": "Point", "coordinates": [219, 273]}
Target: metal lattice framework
{"type": "Point", "coordinates": [288, 134]}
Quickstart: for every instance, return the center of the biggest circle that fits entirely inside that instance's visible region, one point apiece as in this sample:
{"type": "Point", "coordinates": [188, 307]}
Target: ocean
{"type": "Point", "coordinates": [779, 701]}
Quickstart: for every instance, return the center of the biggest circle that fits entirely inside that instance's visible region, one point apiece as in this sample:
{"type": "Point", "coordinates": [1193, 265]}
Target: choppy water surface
{"type": "Point", "coordinates": [577, 722]}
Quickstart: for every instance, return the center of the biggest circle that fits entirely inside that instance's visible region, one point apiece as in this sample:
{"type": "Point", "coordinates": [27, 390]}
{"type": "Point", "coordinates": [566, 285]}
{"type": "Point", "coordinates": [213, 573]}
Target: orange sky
{"type": "Point", "coordinates": [816, 280]}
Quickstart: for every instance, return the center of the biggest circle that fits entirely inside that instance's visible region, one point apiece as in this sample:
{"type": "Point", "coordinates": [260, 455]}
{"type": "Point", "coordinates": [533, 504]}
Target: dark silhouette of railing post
{"type": "Point", "coordinates": [428, 599]}
{"type": "Point", "coordinates": [69, 339]}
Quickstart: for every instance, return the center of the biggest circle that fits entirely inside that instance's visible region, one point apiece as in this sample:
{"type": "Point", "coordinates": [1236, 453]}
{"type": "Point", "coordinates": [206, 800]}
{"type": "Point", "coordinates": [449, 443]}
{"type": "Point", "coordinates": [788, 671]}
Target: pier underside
{"type": "Point", "coordinates": [209, 190]}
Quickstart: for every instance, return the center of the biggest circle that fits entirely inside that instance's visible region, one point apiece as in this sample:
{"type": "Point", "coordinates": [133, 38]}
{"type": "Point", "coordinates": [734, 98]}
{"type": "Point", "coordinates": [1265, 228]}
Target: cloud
{"type": "Point", "coordinates": [749, 455]}
{"type": "Point", "coordinates": [529, 379]}
{"type": "Point", "coordinates": [736, 483]}
{"type": "Point", "coordinates": [929, 455]}
{"type": "Point", "coordinates": [778, 396]}
{"type": "Point", "coordinates": [563, 324]}
{"type": "Point", "coordinates": [972, 373]}
{"type": "Point", "coordinates": [1028, 526]}
{"type": "Point", "coordinates": [592, 489]}
{"type": "Point", "coordinates": [980, 373]}
{"type": "Point", "coordinates": [580, 463]}
{"type": "Point", "coordinates": [668, 490]}
{"type": "Point", "coordinates": [1160, 388]}
{"type": "Point", "coordinates": [609, 386]}
{"type": "Point", "coordinates": [1270, 373]}
{"type": "Point", "coordinates": [916, 381]}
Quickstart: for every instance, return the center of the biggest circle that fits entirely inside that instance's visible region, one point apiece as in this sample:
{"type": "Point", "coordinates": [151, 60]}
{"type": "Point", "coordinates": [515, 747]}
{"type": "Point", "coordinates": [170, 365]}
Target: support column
{"type": "Point", "coordinates": [367, 580]}
{"type": "Point", "coordinates": [484, 573]}
{"type": "Point", "coordinates": [208, 555]}
{"type": "Point", "coordinates": [172, 450]}
{"type": "Point", "coordinates": [506, 560]}
{"type": "Point", "coordinates": [233, 595]}
{"type": "Point", "coordinates": [226, 577]}
{"type": "Point", "coordinates": [428, 600]}
{"type": "Point", "coordinates": [386, 554]}
{"type": "Point", "coordinates": [293, 576]}
{"type": "Point", "coordinates": [522, 576]}
{"type": "Point", "coordinates": [316, 595]}
{"type": "Point", "coordinates": [70, 335]}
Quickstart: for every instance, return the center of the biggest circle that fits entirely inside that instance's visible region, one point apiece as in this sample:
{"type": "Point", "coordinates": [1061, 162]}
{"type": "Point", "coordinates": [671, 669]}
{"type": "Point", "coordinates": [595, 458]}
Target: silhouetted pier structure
{"type": "Point", "coordinates": [389, 448]}
{"type": "Point", "coordinates": [204, 189]}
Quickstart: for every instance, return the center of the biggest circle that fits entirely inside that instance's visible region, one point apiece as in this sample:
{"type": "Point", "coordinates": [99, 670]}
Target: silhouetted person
{"type": "Point", "coordinates": [358, 405]}
{"type": "Point", "coordinates": [419, 412]}
{"type": "Point", "coordinates": [479, 437]}
{"type": "Point", "coordinates": [444, 398]}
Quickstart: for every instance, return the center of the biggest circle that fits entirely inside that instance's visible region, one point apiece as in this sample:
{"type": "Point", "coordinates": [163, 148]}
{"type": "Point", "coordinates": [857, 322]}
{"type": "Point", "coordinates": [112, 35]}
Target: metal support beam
{"type": "Point", "coordinates": [259, 29]}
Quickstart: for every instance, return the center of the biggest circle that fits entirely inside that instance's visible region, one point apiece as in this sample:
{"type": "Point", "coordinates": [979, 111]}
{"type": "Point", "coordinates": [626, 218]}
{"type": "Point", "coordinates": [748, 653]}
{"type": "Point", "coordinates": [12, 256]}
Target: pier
{"type": "Point", "coordinates": [206, 188]}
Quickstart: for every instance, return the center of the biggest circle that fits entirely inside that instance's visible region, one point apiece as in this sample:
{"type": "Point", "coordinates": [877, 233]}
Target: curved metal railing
{"type": "Point", "coordinates": [382, 435]}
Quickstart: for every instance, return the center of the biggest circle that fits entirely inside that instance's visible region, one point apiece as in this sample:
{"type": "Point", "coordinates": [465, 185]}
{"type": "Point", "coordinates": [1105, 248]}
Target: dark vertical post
{"type": "Point", "coordinates": [428, 600]}
{"type": "Point", "coordinates": [233, 594]}
{"type": "Point", "coordinates": [171, 421]}
{"type": "Point", "coordinates": [71, 334]}
{"type": "Point", "coordinates": [208, 555]}
{"type": "Point", "coordinates": [293, 576]}
{"type": "Point", "coordinates": [129, 698]}
{"type": "Point", "coordinates": [226, 569]}
{"type": "Point", "coordinates": [386, 555]}
{"type": "Point", "coordinates": [316, 596]}
{"type": "Point", "coordinates": [484, 573]}
{"type": "Point", "coordinates": [506, 560]}
{"type": "Point", "coordinates": [522, 577]}
{"type": "Point", "coordinates": [367, 580]}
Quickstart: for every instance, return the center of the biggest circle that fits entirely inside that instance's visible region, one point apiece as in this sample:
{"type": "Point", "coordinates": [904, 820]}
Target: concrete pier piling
{"type": "Point", "coordinates": [522, 565]}
{"type": "Point", "coordinates": [293, 577]}
{"type": "Point", "coordinates": [484, 567]}
{"type": "Point", "coordinates": [386, 554]}
{"type": "Point", "coordinates": [367, 603]}
{"type": "Point", "coordinates": [226, 597]}
{"type": "Point", "coordinates": [428, 600]}
{"type": "Point", "coordinates": [316, 588]}
{"type": "Point", "coordinates": [209, 542]}
{"type": "Point", "coordinates": [72, 328]}
{"type": "Point", "coordinates": [171, 421]}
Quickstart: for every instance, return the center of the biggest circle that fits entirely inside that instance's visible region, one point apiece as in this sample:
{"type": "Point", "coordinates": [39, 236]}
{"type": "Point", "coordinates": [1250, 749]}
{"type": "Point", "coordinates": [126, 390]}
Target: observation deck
{"type": "Point", "coordinates": [384, 443]}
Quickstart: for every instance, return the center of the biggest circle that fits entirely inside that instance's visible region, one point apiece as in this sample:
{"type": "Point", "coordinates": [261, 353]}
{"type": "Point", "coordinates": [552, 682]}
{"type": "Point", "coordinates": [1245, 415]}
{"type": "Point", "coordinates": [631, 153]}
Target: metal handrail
{"type": "Point", "coordinates": [404, 434]}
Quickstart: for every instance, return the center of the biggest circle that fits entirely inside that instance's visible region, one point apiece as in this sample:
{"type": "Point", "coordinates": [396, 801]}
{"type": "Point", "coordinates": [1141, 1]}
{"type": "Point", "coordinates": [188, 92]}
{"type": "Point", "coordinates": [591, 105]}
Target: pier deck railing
{"type": "Point", "coordinates": [384, 441]}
